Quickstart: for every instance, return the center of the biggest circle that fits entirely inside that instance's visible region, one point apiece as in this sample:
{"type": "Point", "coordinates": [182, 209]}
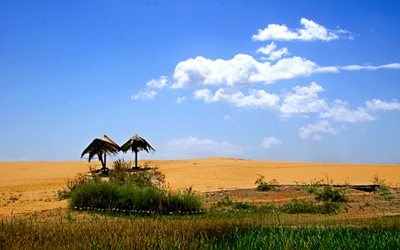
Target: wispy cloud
{"type": "Point", "coordinates": [358, 67]}
{"type": "Point", "coordinates": [180, 99]}
{"type": "Point", "coordinates": [158, 83]}
{"type": "Point", "coordinates": [229, 118]}
{"type": "Point", "coordinates": [340, 112]}
{"type": "Point", "coordinates": [270, 142]}
{"type": "Point", "coordinates": [193, 147]}
{"type": "Point", "coordinates": [313, 131]}
{"type": "Point", "coordinates": [144, 95]}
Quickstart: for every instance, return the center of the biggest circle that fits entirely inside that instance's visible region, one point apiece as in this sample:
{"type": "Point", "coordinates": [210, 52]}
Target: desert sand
{"type": "Point", "coordinates": [31, 186]}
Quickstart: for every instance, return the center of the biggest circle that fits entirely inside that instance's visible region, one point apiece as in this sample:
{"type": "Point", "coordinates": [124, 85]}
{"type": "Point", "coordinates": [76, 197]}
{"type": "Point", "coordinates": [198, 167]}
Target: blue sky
{"type": "Point", "coordinates": [310, 81]}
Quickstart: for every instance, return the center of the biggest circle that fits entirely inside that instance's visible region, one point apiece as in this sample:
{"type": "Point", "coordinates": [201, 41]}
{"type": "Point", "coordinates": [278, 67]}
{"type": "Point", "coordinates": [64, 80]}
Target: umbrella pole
{"type": "Point", "coordinates": [135, 159]}
{"type": "Point", "coordinates": [105, 161]}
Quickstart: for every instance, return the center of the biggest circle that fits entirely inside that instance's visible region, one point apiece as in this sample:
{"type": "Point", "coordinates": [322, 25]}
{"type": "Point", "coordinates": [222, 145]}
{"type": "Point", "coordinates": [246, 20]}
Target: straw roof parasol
{"type": "Point", "coordinates": [136, 144]}
{"type": "Point", "coordinates": [101, 146]}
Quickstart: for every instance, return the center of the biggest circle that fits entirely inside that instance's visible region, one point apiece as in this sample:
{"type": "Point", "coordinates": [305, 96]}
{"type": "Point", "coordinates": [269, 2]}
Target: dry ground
{"type": "Point", "coordinates": [31, 186]}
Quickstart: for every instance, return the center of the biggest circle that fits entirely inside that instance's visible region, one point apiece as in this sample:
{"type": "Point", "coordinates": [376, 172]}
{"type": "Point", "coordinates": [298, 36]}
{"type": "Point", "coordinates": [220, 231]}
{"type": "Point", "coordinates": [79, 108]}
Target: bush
{"type": "Point", "coordinates": [383, 188]}
{"type": "Point", "coordinates": [181, 202]}
{"type": "Point", "coordinates": [127, 197]}
{"type": "Point", "coordinates": [265, 186]}
{"type": "Point", "coordinates": [303, 206]}
{"type": "Point", "coordinates": [74, 184]}
{"type": "Point", "coordinates": [98, 195]}
{"type": "Point", "coordinates": [330, 194]}
{"type": "Point", "coordinates": [123, 174]}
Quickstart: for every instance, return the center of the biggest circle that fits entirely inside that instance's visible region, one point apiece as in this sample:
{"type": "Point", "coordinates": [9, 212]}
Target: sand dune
{"type": "Point", "coordinates": [31, 186]}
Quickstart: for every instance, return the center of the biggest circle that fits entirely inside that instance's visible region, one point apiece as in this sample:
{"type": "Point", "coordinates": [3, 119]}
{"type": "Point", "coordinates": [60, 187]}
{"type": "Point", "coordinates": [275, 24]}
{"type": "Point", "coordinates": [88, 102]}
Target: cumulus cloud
{"type": "Point", "coordinates": [270, 142]}
{"type": "Point", "coordinates": [312, 131]}
{"type": "Point", "coordinates": [242, 70]}
{"type": "Point", "coordinates": [304, 100]}
{"type": "Point", "coordinates": [144, 95]}
{"type": "Point", "coordinates": [255, 99]}
{"type": "Point", "coordinates": [311, 32]}
{"type": "Point", "coordinates": [382, 105]}
{"type": "Point", "coordinates": [339, 112]}
{"type": "Point", "coordinates": [193, 147]}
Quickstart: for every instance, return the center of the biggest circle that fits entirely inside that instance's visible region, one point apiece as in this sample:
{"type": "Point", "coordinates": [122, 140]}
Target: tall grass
{"type": "Point", "coordinates": [314, 237]}
{"type": "Point", "coordinates": [195, 232]}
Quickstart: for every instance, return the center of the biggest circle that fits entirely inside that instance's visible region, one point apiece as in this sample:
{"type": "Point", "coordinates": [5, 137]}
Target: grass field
{"type": "Point", "coordinates": [81, 230]}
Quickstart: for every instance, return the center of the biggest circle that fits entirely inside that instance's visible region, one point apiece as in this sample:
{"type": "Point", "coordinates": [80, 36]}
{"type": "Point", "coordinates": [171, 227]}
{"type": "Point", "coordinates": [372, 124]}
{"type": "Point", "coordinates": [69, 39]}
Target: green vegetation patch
{"type": "Point", "coordinates": [107, 195]}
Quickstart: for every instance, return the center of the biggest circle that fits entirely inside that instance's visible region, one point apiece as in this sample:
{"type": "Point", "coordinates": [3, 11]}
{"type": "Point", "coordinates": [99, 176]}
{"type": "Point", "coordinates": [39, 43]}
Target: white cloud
{"type": "Point", "coordinates": [270, 142]}
{"type": "Point", "coordinates": [390, 66]}
{"type": "Point", "coordinates": [339, 112]}
{"type": "Point", "coordinates": [267, 49]}
{"type": "Point", "coordinates": [242, 70]}
{"type": "Point", "coordinates": [382, 105]}
{"type": "Point", "coordinates": [312, 31]}
{"type": "Point", "coordinates": [305, 100]}
{"type": "Point", "coordinates": [311, 132]}
{"type": "Point", "coordinates": [275, 55]}
{"type": "Point", "coordinates": [158, 83]}
{"type": "Point", "coordinates": [192, 147]}
{"type": "Point", "coordinates": [358, 67]}
{"type": "Point", "coordinates": [329, 69]}
{"type": "Point", "coordinates": [143, 95]}
{"type": "Point", "coordinates": [180, 99]}
{"type": "Point", "coordinates": [227, 117]}
{"type": "Point", "coordinates": [256, 98]}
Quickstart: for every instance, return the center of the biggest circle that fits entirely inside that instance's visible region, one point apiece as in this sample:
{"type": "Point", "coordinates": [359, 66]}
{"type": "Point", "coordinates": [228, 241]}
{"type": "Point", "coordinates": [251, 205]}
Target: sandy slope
{"type": "Point", "coordinates": [31, 186]}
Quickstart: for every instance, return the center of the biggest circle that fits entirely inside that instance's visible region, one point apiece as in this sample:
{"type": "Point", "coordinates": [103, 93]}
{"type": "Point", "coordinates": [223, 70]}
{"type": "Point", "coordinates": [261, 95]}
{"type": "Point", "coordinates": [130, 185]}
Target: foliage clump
{"type": "Point", "coordinates": [265, 185]}
{"type": "Point", "coordinates": [128, 189]}
{"type": "Point", "coordinates": [383, 189]}
{"type": "Point", "coordinates": [123, 174]}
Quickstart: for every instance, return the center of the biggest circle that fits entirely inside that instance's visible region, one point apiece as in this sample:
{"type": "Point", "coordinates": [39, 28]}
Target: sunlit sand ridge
{"type": "Point", "coordinates": [32, 186]}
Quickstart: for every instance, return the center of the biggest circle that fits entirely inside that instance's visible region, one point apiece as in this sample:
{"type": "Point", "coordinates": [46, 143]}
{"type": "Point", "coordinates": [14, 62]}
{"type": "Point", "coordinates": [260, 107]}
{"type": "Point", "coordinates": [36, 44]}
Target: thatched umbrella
{"type": "Point", "coordinates": [99, 147]}
{"type": "Point", "coordinates": [137, 144]}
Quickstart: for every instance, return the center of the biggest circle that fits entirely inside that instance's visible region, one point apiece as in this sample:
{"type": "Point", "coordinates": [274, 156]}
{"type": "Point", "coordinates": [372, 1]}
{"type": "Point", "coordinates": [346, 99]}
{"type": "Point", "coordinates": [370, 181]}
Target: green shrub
{"type": "Point", "coordinates": [300, 207]}
{"type": "Point", "coordinates": [73, 184]}
{"type": "Point", "coordinates": [123, 174]}
{"type": "Point", "coordinates": [265, 186]}
{"type": "Point", "coordinates": [306, 207]}
{"type": "Point", "coordinates": [99, 195]}
{"type": "Point", "coordinates": [181, 202]}
{"type": "Point", "coordinates": [385, 192]}
{"type": "Point", "coordinates": [383, 188]}
{"type": "Point", "coordinates": [330, 194]}
{"type": "Point", "coordinates": [127, 197]}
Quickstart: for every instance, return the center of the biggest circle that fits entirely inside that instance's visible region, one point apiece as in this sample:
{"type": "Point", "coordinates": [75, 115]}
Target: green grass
{"type": "Point", "coordinates": [306, 237]}
{"type": "Point", "coordinates": [85, 231]}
